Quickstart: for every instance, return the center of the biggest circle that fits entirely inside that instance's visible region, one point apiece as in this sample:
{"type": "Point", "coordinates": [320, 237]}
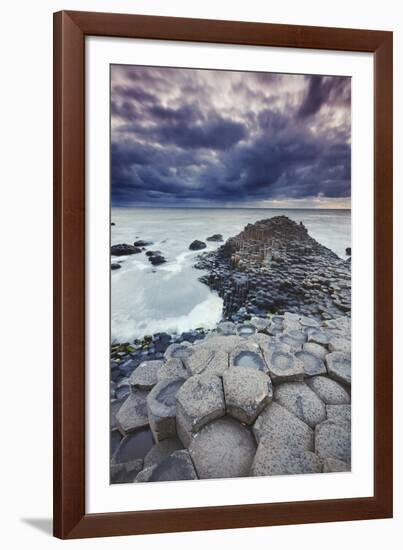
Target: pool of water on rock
{"type": "Point", "coordinates": [136, 445]}
{"type": "Point", "coordinates": [249, 359]}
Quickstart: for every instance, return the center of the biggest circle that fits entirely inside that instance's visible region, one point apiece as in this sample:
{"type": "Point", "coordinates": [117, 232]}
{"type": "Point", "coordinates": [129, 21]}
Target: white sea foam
{"type": "Point", "coordinates": [206, 315]}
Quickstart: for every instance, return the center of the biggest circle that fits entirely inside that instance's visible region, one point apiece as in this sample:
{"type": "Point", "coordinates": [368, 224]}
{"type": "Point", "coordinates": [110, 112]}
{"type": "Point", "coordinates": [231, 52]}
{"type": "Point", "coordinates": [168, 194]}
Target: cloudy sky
{"type": "Point", "coordinates": [189, 137]}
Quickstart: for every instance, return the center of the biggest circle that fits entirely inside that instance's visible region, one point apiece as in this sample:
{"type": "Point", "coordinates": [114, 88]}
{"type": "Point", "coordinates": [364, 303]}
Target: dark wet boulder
{"type": "Point", "coordinates": [115, 266]}
{"type": "Point", "coordinates": [141, 242]}
{"type": "Point", "coordinates": [348, 251]}
{"type": "Point", "coordinates": [197, 245]}
{"type": "Point", "coordinates": [216, 238]}
{"type": "Point", "coordinates": [124, 250]}
{"type": "Point", "coordinates": [157, 259]}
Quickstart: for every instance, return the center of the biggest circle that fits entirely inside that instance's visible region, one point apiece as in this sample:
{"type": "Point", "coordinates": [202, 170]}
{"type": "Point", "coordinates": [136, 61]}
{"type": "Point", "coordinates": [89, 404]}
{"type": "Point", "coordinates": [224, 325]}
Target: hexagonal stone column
{"type": "Point", "coordinates": [226, 328]}
{"type": "Point", "coordinates": [333, 440]}
{"type": "Point", "coordinates": [223, 448]}
{"type": "Point", "coordinates": [173, 368]}
{"type": "Point", "coordinates": [339, 366]}
{"type": "Point", "coordinates": [329, 391]}
{"type": "Point", "coordinates": [146, 375]}
{"type": "Point", "coordinates": [199, 400]}
{"type": "Point", "coordinates": [127, 460]}
{"type": "Point", "coordinates": [160, 451]}
{"type": "Point", "coordinates": [293, 338]}
{"type": "Point", "coordinates": [132, 415]}
{"type": "Point", "coordinates": [206, 359]}
{"type": "Point", "coordinates": [177, 466]}
{"type": "Point", "coordinates": [247, 355]}
{"type": "Point", "coordinates": [284, 366]}
{"type": "Point", "coordinates": [301, 401]}
{"type": "Point", "coordinates": [273, 460]}
{"type": "Point", "coordinates": [277, 426]}
{"type": "Point", "coordinates": [178, 351]}
{"type": "Point", "coordinates": [319, 336]}
{"type": "Point", "coordinates": [161, 408]}
{"type": "Point", "coordinates": [247, 392]}
{"type": "Point", "coordinates": [340, 414]}
{"type": "Point", "coordinates": [313, 365]}
{"type": "Point", "coordinates": [315, 349]}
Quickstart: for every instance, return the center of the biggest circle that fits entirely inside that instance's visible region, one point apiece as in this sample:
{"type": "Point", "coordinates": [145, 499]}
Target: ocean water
{"type": "Point", "coordinates": [146, 299]}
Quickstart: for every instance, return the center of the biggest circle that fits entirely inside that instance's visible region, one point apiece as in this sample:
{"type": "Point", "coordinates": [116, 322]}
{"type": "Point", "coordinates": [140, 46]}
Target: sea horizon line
{"type": "Point", "coordinates": [223, 207]}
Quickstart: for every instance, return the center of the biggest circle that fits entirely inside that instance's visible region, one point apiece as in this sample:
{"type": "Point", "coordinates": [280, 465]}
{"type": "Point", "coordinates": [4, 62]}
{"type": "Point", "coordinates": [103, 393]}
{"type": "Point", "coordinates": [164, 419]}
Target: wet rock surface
{"type": "Point", "coordinates": [124, 250]}
{"type": "Point", "coordinates": [223, 448]}
{"type": "Point", "coordinates": [161, 408]}
{"type": "Point", "coordinates": [301, 401]}
{"type": "Point", "coordinates": [265, 393]}
{"type": "Point", "coordinates": [199, 401]}
{"type": "Point", "coordinates": [274, 265]}
{"type": "Point", "coordinates": [197, 245]}
{"type": "Point", "coordinates": [272, 460]}
{"type": "Point", "coordinates": [247, 392]}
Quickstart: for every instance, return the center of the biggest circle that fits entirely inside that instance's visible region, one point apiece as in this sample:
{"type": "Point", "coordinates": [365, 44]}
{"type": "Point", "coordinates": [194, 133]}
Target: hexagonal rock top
{"type": "Point", "coordinates": [340, 414]}
{"type": "Point", "coordinates": [339, 366]}
{"type": "Point", "coordinates": [340, 343]}
{"type": "Point", "coordinates": [146, 375]}
{"type": "Point", "coordinates": [160, 451]}
{"type": "Point", "coordinates": [247, 392]}
{"type": "Point", "coordinates": [127, 460]}
{"type": "Point", "coordinates": [308, 322]}
{"type": "Point", "coordinates": [277, 426]}
{"type": "Point", "coordinates": [161, 408]}
{"type": "Point", "coordinates": [273, 460]}
{"type": "Point", "coordinates": [199, 400]}
{"type": "Point", "coordinates": [332, 440]}
{"type": "Point", "coordinates": [315, 349]}
{"type": "Point", "coordinates": [177, 466]}
{"type": "Point", "coordinates": [204, 359]}
{"type": "Point", "coordinates": [283, 366]}
{"type": "Point", "coordinates": [319, 336]}
{"type": "Point", "coordinates": [173, 368]}
{"type": "Point", "coordinates": [132, 415]}
{"type": "Point", "coordinates": [247, 355]}
{"type": "Point", "coordinates": [260, 324]}
{"type": "Point", "coordinates": [223, 343]}
{"type": "Point", "coordinates": [301, 401]}
{"type": "Point", "coordinates": [246, 329]}
{"type": "Point", "coordinates": [225, 328]}
{"type": "Point", "coordinates": [313, 365]}
{"type": "Point", "coordinates": [293, 338]}
{"type": "Point", "coordinates": [178, 351]}
{"type": "Point", "coordinates": [329, 391]}
{"type": "Point", "coordinates": [223, 448]}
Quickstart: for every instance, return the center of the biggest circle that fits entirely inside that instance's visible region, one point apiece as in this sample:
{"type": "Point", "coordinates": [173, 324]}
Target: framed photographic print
{"type": "Point", "coordinates": [223, 274]}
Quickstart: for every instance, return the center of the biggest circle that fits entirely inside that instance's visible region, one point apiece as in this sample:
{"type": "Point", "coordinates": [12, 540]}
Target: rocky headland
{"type": "Point", "coordinates": [274, 266]}
{"type": "Point", "coordinates": [265, 393]}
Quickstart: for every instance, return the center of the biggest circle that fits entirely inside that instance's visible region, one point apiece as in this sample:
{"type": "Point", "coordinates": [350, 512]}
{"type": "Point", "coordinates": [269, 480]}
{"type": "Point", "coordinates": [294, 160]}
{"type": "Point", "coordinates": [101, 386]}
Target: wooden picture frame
{"type": "Point", "coordinates": [70, 517]}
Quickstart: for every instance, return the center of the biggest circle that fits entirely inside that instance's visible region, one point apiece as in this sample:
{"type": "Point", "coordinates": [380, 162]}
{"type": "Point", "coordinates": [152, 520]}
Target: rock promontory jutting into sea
{"type": "Point", "coordinates": [274, 266]}
{"type": "Point", "coordinates": [267, 392]}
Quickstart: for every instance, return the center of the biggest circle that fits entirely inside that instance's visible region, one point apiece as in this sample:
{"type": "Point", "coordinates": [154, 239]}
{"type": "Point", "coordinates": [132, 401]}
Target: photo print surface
{"type": "Point", "coordinates": [230, 274]}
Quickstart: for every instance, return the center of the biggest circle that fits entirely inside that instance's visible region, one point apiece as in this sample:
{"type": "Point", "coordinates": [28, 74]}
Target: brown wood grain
{"type": "Point", "coordinates": [70, 518]}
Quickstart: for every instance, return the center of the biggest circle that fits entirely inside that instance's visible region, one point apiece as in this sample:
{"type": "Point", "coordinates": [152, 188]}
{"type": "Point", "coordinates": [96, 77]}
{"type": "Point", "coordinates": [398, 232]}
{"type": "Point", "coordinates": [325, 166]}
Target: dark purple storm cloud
{"type": "Point", "coordinates": [188, 137]}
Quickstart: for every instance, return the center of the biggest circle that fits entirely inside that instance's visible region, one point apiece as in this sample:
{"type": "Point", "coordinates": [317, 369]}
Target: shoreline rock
{"type": "Point", "coordinates": [228, 415]}
{"type": "Point", "coordinates": [274, 266]}
{"type": "Point", "coordinates": [267, 392]}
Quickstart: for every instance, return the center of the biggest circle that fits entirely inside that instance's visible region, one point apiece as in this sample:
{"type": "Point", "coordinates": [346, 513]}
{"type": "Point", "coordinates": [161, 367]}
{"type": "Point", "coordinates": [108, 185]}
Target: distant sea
{"type": "Point", "coordinates": [169, 297]}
